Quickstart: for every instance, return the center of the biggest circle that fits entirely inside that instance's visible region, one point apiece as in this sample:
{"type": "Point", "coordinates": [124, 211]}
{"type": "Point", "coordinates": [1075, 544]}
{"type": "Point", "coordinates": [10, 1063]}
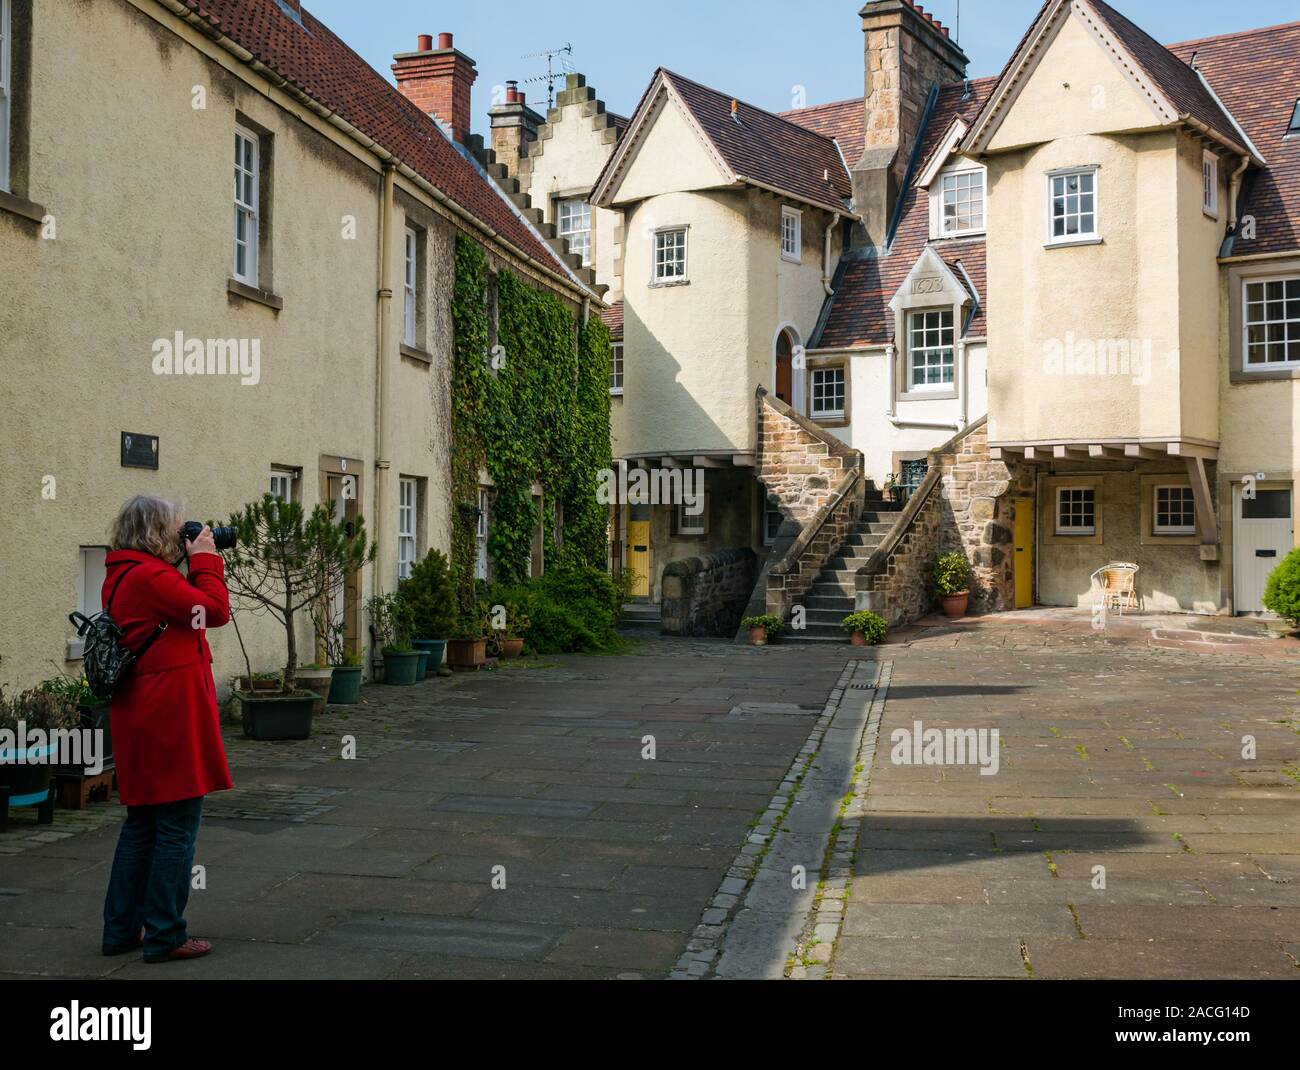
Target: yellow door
{"type": "Point", "coordinates": [1024, 553]}
{"type": "Point", "coordinates": [638, 556]}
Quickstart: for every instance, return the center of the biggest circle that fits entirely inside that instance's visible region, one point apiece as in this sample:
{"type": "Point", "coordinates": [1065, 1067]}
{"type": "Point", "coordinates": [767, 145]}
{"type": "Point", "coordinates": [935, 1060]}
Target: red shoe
{"type": "Point", "coordinates": [191, 949]}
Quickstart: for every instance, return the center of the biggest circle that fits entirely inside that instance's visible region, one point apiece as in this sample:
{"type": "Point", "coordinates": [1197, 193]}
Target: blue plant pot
{"type": "Point", "coordinates": [436, 649]}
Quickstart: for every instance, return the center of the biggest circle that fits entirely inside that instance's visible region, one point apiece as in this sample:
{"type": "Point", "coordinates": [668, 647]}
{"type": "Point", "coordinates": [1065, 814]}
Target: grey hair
{"type": "Point", "coordinates": [148, 524]}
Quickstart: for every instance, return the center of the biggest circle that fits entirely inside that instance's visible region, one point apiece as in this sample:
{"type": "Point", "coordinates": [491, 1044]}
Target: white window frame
{"type": "Point", "coordinates": [827, 414]}
{"type": "Point", "coordinates": [411, 287]}
{"type": "Point", "coordinates": [1084, 530]}
{"type": "Point", "coordinates": [1082, 238]}
{"type": "Point", "coordinates": [6, 90]}
{"type": "Point", "coordinates": [941, 218]}
{"type": "Point", "coordinates": [282, 477]}
{"type": "Point", "coordinates": [691, 524]}
{"type": "Point", "coordinates": [91, 569]}
{"type": "Point", "coordinates": [1171, 529]}
{"type": "Point", "coordinates": [481, 534]}
{"type": "Point", "coordinates": [1293, 124]}
{"type": "Point", "coordinates": [565, 229]}
{"type": "Point", "coordinates": [616, 369]}
{"type": "Point", "coordinates": [950, 364]}
{"type": "Point", "coordinates": [1290, 325]}
{"type": "Point", "coordinates": [792, 235]}
{"type": "Point", "coordinates": [249, 210]}
{"type": "Point", "coordinates": [408, 497]}
{"type": "Point", "coordinates": [656, 277]}
{"type": "Point", "coordinates": [1210, 184]}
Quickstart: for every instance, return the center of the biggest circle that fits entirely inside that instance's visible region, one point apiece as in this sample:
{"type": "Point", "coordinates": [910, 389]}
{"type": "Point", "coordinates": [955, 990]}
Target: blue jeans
{"type": "Point", "coordinates": [150, 883]}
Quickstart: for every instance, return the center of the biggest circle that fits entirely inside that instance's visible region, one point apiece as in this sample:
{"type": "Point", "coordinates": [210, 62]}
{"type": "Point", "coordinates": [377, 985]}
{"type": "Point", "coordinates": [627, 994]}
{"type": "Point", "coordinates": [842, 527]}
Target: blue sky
{"type": "Point", "coordinates": [759, 51]}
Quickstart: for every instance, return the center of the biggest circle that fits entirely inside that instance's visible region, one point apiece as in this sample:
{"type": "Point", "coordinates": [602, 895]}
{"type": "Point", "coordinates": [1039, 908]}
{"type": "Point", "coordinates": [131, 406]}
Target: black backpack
{"type": "Point", "coordinates": [105, 660]}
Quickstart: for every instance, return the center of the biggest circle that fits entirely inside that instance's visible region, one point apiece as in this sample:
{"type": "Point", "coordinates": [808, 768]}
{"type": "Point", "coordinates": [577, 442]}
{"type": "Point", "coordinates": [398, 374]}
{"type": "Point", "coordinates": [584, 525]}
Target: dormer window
{"type": "Point", "coordinates": [961, 203]}
{"type": "Point", "coordinates": [1294, 129]}
{"type": "Point", "coordinates": [931, 363]}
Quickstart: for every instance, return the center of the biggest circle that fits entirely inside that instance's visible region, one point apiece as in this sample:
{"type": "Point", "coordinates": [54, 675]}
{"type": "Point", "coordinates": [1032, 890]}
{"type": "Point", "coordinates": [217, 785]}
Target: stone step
{"type": "Point", "coordinates": [825, 603]}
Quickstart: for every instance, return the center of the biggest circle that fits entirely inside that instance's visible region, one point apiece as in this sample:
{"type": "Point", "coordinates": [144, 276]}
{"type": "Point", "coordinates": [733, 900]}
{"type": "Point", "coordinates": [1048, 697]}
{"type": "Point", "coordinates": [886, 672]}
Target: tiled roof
{"type": "Point", "coordinates": [1257, 76]}
{"type": "Point", "coordinates": [319, 64]}
{"type": "Point", "coordinates": [1169, 73]}
{"type": "Point", "coordinates": [612, 316]}
{"type": "Point", "coordinates": [844, 121]}
{"type": "Point", "coordinates": [860, 313]}
{"type": "Point", "coordinates": [767, 149]}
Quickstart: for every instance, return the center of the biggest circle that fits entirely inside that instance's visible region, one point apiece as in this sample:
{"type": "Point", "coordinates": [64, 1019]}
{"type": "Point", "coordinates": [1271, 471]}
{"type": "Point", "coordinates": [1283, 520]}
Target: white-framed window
{"type": "Point", "coordinates": [773, 518]}
{"type": "Point", "coordinates": [961, 203]}
{"type": "Point", "coordinates": [407, 497]}
{"type": "Point", "coordinates": [1210, 184]}
{"type": "Point", "coordinates": [91, 570]}
{"type": "Point", "coordinates": [410, 287]}
{"type": "Point", "coordinates": [670, 255]}
{"type": "Point", "coordinates": [1076, 511]}
{"type": "Point", "coordinates": [481, 535]}
{"type": "Point", "coordinates": [1174, 510]}
{"type": "Point", "coordinates": [247, 180]}
{"type": "Point", "coordinates": [282, 484]}
{"type": "Point", "coordinates": [574, 223]}
{"type": "Point", "coordinates": [828, 393]}
{"type": "Point", "coordinates": [616, 367]}
{"type": "Point", "coordinates": [1072, 206]}
{"type": "Point", "coordinates": [1271, 320]}
{"type": "Point", "coordinates": [931, 360]}
{"type": "Point", "coordinates": [6, 88]}
{"type": "Point", "coordinates": [791, 234]}
{"type": "Point", "coordinates": [690, 523]}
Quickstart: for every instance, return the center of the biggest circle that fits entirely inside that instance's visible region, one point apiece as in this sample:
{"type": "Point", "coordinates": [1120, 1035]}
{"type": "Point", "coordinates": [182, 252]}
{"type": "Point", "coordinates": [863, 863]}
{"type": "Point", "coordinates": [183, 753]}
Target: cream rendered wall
{"type": "Point", "coordinates": [143, 250]}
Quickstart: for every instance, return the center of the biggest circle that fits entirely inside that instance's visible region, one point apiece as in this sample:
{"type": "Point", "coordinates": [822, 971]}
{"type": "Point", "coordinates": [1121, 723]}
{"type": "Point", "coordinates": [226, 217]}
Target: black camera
{"type": "Point", "coordinates": [225, 538]}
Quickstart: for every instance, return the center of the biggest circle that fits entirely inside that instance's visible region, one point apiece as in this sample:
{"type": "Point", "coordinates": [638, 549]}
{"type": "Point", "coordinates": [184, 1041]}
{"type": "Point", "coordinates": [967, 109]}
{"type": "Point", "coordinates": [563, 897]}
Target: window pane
{"type": "Point", "coordinates": [1267, 505]}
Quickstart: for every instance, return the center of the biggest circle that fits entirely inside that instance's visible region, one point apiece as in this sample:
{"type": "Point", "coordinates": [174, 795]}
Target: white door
{"type": "Point", "coordinates": [1263, 534]}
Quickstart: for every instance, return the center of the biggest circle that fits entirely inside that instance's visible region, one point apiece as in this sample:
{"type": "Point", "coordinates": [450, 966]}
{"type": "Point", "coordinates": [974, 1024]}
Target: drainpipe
{"type": "Point", "coordinates": [826, 259]}
{"type": "Point", "coordinates": [1234, 191]}
{"type": "Point", "coordinates": [384, 312]}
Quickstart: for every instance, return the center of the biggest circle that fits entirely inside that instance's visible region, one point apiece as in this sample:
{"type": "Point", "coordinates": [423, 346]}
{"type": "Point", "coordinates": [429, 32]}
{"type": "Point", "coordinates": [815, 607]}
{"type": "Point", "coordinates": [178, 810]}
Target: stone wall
{"type": "Point", "coordinates": [966, 503]}
{"type": "Point", "coordinates": [789, 580]}
{"type": "Point", "coordinates": [800, 464]}
{"type": "Point", "coordinates": [706, 596]}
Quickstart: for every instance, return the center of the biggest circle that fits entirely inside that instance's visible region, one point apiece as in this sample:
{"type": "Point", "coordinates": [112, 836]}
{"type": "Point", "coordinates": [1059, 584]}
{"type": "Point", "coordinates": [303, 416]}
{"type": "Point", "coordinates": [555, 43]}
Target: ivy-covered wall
{"type": "Point", "coordinates": [530, 404]}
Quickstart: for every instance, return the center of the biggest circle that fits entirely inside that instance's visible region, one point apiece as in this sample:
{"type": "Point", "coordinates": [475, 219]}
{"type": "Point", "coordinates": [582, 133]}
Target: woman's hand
{"type": "Point", "coordinates": [204, 544]}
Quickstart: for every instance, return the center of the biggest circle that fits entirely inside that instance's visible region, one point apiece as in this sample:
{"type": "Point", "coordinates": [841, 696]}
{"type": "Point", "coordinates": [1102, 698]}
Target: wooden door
{"type": "Point", "coordinates": [638, 556]}
{"type": "Point", "coordinates": [1024, 548]}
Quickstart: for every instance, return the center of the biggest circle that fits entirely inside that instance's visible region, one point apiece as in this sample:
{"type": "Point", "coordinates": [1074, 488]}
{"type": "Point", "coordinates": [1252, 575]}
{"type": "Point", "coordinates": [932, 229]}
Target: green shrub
{"type": "Point", "coordinates": [770, 623]}
{"type": "Point", "coordinates": [1282, 592]}
{"type": "Point", "coordinates": [952, 573]}
{"type": "Point", "coordinates": [871, 625]}
{"type": "Point", "coordinates": [430, 593]}
{"type": "Point", "coordinates": [572, 610]}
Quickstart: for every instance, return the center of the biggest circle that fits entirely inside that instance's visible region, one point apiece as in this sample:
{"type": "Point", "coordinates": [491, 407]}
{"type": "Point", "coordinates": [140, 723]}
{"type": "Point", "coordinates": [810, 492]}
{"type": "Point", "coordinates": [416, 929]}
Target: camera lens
{"type": "Point", "coordinates": [223, 538]}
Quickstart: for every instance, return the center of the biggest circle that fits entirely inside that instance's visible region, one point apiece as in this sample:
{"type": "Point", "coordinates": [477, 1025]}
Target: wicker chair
{"type": "Point", "coordinates": [1118, 582]}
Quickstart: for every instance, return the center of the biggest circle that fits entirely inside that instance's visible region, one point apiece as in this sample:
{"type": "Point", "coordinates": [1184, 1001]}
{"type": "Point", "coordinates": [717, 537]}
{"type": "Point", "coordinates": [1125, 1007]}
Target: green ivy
{"type": "Point", "coordinates": [538, 412]}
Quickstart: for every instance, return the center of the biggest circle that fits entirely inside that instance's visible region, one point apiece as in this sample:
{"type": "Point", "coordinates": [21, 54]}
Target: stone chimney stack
{"type": "Point", "coordinates": [439, 81]}
{"type": "Point", "coordinates": [908, 51]}
{"type": "Point", "coordinates": [514, 128]}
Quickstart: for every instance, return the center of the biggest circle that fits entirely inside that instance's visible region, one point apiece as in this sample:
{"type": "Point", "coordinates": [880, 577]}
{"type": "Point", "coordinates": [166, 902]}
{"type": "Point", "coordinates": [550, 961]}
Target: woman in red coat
{"type": "Point", "coordinates": [166, 729]}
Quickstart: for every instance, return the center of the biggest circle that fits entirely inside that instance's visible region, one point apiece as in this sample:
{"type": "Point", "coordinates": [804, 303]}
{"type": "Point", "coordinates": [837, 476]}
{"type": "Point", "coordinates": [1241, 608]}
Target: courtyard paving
{"type": "Point", "coordinates": [513, 823]}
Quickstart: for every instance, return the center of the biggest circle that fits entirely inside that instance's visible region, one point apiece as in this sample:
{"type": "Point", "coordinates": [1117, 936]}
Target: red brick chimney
{"type": "Point", "coordinates": [438, 80]}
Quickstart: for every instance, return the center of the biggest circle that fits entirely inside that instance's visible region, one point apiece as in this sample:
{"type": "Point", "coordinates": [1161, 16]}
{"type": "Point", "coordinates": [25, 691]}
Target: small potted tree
{"type": "Point", "coordinates": [93, 717]}
{"type": "Point", "coordinates": [344, 666]}
{"type": "Point", "coordinates": [286, 560]}
{"type": "Point", "coordinates": [866, 629]}
{"type": "Point", "coordinates": [390, 623]}
{"type": "Point", "coordinates": [952, 575]}
{"type": "Point", "coordinates": [467, 649]}
{"type": "Point", "coordinates": [762, 630]}
{"type": "Point", "coordinates": [430, 593]}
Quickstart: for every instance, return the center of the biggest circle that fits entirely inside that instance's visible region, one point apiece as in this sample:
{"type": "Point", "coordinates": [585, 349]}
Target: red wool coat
{"type": "Point", "coordinates": [166, 729]}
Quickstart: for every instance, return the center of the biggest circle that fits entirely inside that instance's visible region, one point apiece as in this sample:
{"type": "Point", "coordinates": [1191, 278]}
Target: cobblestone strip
{"type": "Point", "coordinates": [815, 953]}
{"type": "Point", "coordinates": [704, 949]}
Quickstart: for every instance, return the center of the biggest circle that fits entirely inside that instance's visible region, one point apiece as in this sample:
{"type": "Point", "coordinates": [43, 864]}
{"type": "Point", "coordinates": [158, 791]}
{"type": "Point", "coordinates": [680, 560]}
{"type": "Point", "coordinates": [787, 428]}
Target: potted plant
{"type": "Point", "coordinates": [261, 681]}
{"type": "Point", "coordinates": [952, 575]}
{"type": "Point", "coordinates": [891, 488]}
{"type": "Point", "coordinates": [430, 592]}
{"type": "Point", "coordinates": [285, 562]}
{"type": "Point", "coordinates": [867, 629]}
{"type": "Point", "coordinates": [317, 679]}
{"type": "Point", "coordinates": [345, 681]}
{"type": "Point", "coordinates": [467, 649]}
{"type": "Point", "coordinates": [327, 616]}
{"type": "Point", "coordinates": [511, 643]}
{"type": "Point", "coordinates": [25, 772]}
{"type": "Point", "coordinates": [93, 717]}
{"type": "Point", "coordinates": [390, 622]}
{"type": "Point", "coordinates": [762, 630]}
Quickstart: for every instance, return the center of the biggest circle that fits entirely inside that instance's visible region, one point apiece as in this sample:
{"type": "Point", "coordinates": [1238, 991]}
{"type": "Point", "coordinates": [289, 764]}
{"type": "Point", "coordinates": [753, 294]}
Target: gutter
{"type": "Point", "coordinates": [826, 257]}
{"type": "Point", "coordinates": [176, 7]}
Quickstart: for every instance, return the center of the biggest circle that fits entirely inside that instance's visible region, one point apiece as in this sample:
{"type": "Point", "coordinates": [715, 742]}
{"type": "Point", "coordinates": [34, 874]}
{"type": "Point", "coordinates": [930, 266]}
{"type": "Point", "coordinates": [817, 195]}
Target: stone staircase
{"type": "Point", "coordinates": [640, 619]}
{"type": "Point", "coordinates": [832, 595]}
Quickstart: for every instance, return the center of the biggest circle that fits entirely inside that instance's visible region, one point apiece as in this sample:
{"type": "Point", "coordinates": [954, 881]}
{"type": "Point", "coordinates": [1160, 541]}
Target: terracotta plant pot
{"type": "Point", "coordinates": [317, 681]}
{"type": "Point", "coordinates": [511, 648]}
{"type": "Point", "coordinates": [859, 639]}
{"type": "Point", "coordinates": [466, 655]}
{"type": "Point", "coordinates": [954, 605]}
{"type": "Point", "coordinates": [259, 685]}
{"type": "Point", "coordinates": [758, 637]}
